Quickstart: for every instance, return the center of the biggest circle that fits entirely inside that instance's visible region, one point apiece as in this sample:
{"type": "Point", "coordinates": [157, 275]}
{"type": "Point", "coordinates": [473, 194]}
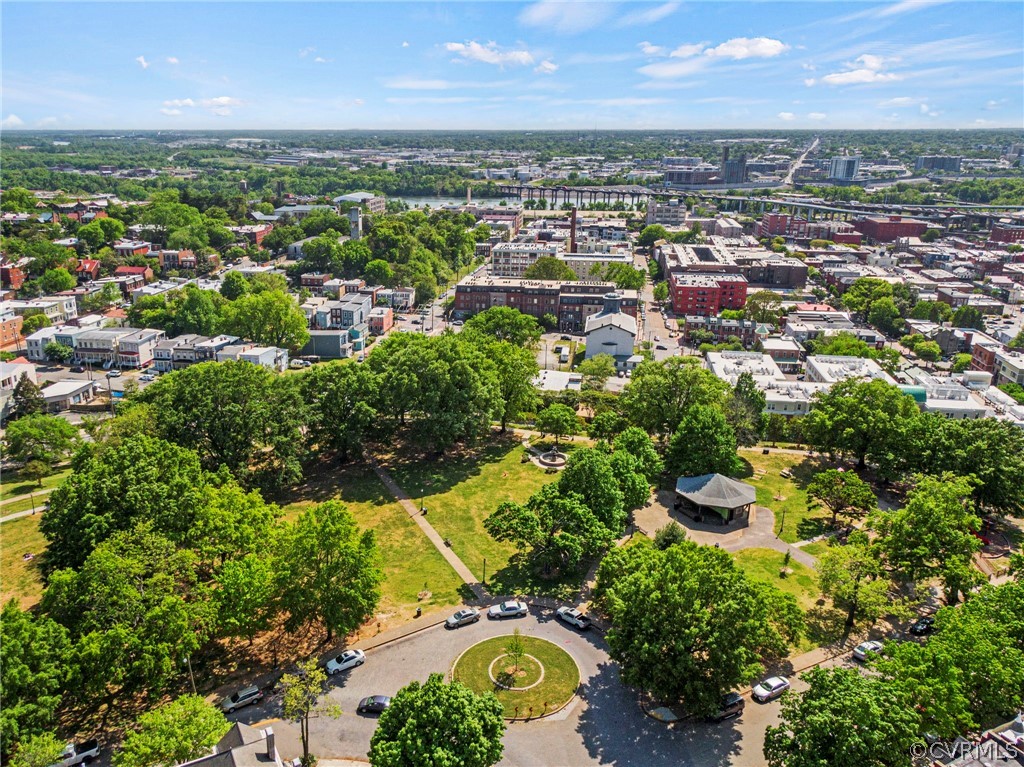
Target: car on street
{"type": "Point", "coordinates": [565, 338]}
{"type": "Point", "coordinates": [661, 347]}
{"type": "Point", "coordinates": [463, 618]}
{"type": "Point", "coordinates": [244, 697]}
{"type": "Point", "coordinates": [657, 338]}
{"type": "Point", "coordinates": [78, 753]}
{"type": "Point", "coordinates": [770, 689]}
{"type": "Point", "coordinates": [458, 323]}
{"type": "Point", "coordinates": [861, 651]}
{"type": "Point", "coordinates": [923, 626]}
{"type": "Point", "coordinates": [374, 704]}
{"type": "Point", "coordinates": [573, 617]}
{"type": "Point", "coordinates": [147, 377]}
{"type": "Point", "coordinates": [345, 661]}
{"type": "Point", "coordinates": [732, 704]}
{"type": "Point", "coordinates": [416, 321]}
{"type": "Point", "coordinates": [508, 610]}
{"type": "Point", "coordinates": [78, 369]}
{"type": "Point", "coordinates": [113, 374]}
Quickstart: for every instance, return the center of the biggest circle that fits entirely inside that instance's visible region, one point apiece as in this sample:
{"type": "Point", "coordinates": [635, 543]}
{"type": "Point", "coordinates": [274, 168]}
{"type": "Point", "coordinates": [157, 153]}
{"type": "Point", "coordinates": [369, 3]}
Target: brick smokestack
{"type": "Point", "coordinates": [572, 231]}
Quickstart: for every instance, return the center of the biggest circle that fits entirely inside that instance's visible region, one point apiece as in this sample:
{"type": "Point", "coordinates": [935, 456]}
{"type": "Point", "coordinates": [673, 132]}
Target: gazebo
{"type": "Point", "coordinates": [716, 498]}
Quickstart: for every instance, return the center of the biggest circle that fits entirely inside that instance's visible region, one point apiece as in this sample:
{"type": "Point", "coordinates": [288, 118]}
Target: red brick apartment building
{"type": "Point", "coordinates": [889, 228]}
{"type": "Point", "coordinates": [706, 295]}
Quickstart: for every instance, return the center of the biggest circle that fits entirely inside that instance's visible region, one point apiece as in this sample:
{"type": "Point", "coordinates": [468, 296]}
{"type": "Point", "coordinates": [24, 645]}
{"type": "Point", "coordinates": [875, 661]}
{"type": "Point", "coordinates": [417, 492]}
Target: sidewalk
{"type": "Point", "coordinates": [39, 495]}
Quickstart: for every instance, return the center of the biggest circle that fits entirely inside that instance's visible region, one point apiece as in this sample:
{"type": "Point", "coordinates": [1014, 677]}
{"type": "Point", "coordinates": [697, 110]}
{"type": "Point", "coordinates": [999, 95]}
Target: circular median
{"type": "Point", "coordinates": [543, 681]}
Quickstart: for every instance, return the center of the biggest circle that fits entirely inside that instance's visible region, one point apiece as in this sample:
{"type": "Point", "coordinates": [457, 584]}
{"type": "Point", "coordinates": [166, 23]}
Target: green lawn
{"type": "Point", "coordinates": [817, 548]}
{"type": "Point", "coordinates": [461, 492]}
{"type": "Point", "coordinates": [411, 563]}
{"type": "Point", "coordinates": [561, 675]}
{"type": "Point", "coordinates": [13, 485]}
{"type": "Point", "coordinates": [764, 565]}
{"type": "Point", "coordinates": [785, 496]}
{"type": "Point", "coordinates": [21, 579]}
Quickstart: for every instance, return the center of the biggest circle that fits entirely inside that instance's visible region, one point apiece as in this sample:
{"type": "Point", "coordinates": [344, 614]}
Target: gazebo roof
{"type": "Point", "coordinates": [716, 490]}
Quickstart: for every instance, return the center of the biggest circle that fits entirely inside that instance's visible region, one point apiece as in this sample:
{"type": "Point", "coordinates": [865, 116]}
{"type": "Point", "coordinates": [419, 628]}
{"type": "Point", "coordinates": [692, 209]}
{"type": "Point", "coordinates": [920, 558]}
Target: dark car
{"type": "Point", "coordinates": [78, 369]}
{"type": "Point", "coordinates": [374, 704]}
{"type": "Point", "coordinates": [732, 704]}
{"type": "Point", "coordinates": [661, 347]}
{"type": "Point", "coordinates": [923, 626]}
{"type": "Point", "coordinates": [566, 338]}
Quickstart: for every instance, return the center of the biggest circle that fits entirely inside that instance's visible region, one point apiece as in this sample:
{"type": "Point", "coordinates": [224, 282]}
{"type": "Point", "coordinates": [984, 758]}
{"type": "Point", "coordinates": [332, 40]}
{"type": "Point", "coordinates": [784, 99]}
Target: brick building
{"type": "Point", "coordinates": [1007, 233]}
{"type": "Point", "coordinates": [889, 228]}
{"type": "Point", "coordinates": [706, 294]}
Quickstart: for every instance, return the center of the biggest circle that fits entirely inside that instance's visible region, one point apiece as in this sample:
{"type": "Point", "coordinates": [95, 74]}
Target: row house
{"type": "Point", "coordinates": [315, 282]}
{"type": "Point", "coordinates": [269, 357]}
{"type": "Point", "coordinates": [57, 309]}
{"type": "Point", "coordinates": [100, 346]}
{"type": "Point", "coordinates": [88, 269]}
{"type": "Point", "coordinates": [145, 272]}
{"type": "Point", "coordinates": [747, 331]}
{"type": "Point", "coordinates": [126, 248]}
{"type": "Point", "coordinates": [347, 312]}
{"type": "Point", "coordinates": [380, 320]}
{"type": "Point", "coordinates": [188, 349]}
{"type": "Point", "coordinates": [135, 350]}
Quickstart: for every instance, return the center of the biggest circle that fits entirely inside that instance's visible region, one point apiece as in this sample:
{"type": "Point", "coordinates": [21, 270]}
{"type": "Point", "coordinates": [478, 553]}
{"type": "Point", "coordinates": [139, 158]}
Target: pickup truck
{"type": "Point", "coordinates": [78, 753]}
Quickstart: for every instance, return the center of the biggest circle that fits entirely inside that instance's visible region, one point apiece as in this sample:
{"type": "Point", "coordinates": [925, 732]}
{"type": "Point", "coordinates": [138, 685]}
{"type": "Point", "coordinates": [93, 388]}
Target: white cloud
{"type": "Point", "coordinates": [650, 49]}
{"type": "Point", "coordinates": [927, 111]}
{"type": "Point", "coordinates": [787, 116]}
{"type": "Point", "coordinates": [686, 50]}
{"type": "Point", "coordinates": [179, 103]}
{"type": "Point", "coordinates": [601, 58]}
{"type": "Point", "coordinates": [816, 115]}
{"type": "Point", "coordinates": [142, 62]}
{"type": "Point", "coordinates": [906, 6]}
{"type": "Point", "coordinates": [489, 53]}
{"type": "Point", "coordinates": [866, 69]}
{"type": "Point", "coordinates": [358, 102]}
{"type": "Point", "coordinates": [173, 60]}
{"type": "Point", "coordinates": [322, 60]}
{"type": "Point", "coordinates": [668, 70]}
{"type": "Point", "coordinates": [417, 84]}
{"type": "Point", "coordinates": [546, 67]}
{"type": "Point", "coordinates": [648, 16]}
{"type": "Point", "coordinates": [405, 43]}
{"type": "Point", "coordinates": [899, 102]}
{"type": "Point", "coordinates": [808, 67]}
{"type": "Point", "coordinates": [993, 104]}
{"type": "Point", "coordinates": [11, 121]}
{"type": "Point", "coordinates": [430, 99]}
{"type": "Point", "coordinates": [170, 112]}
{"type": "Point", "coordinates": [740, 48]}
{"type": "Point", "coordinates": [566, 18]}
{"type": "Point", "coordinates": [46, 122]}
{"type": "Point", "coordinates": [221, 101]}
{"type": "Point", "coordinates": [303, 52]}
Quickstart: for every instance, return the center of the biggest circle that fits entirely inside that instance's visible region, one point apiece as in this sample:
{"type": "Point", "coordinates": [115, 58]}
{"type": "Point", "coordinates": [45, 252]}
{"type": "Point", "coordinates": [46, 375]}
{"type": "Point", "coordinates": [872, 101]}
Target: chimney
{"type": "Point", "coordinates": [612, 303]}
{"type": "Point", "coordinates": [271, 745]}
{"type": "Point", "coordinates": [572, 231]}
{"type": "Point", "coordinates": [469, 194]}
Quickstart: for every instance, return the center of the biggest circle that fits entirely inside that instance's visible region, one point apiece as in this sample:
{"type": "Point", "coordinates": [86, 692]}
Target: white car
{"type": "Point", "coordinates": [770, 688]}
{"type": "Point", "coordinates": [573, 617]}
{"type": "Point", "coordinates": [507, 610]}
{"type": "Point", "coordinates": [861, 651]}
{"type": "Point", "coordinates": [345, 661]}
{"type": "Point", "coordinates": [463, 618]}
{"type": "Point", "coordinates": [147, 377]}
{"type": "Point", "coordinates": [114, 374]}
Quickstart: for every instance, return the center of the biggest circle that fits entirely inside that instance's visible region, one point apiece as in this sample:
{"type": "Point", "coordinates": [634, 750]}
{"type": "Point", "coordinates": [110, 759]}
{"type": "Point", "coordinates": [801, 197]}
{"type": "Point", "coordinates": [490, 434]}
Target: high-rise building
{"type": "Point", "coordinates": [844, 168]}
{"type": "Point", "coordinates": [938, 162]}
{"type": "Point", "coordinates": [735, 171]}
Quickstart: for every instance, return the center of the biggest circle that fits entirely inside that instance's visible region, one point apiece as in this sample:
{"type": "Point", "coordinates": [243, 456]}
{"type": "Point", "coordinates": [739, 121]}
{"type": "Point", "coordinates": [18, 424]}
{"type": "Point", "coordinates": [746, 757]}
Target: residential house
{"type": "Point", "coordinates": [145, 272]}
{"type": "Point", "coordinates": [100, 346]}
{"type": "Point", "coordinates": [58, 309]}
{"type": "Point", "coordinates": [242, 746]}
{"type": "Point", "coordinates": [88, 269]}
{"type": "Point", "coordinates": [125, 248]}
{"type": "Point", "coordinates": [135, 350]}
{"type": "Point", "coordinates": [63, 395]}
{"type": "Point", "coordinates": [380, 320]}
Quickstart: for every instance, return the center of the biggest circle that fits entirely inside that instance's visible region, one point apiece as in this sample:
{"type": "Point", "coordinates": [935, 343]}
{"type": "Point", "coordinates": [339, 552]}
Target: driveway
{"type": "Point", "coordinates": [604, 725]}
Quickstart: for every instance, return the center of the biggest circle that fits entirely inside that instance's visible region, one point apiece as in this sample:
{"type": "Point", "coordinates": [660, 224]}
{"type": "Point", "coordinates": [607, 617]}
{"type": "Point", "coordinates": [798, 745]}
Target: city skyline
{"type": "Point", "coordinates": [543, 65]}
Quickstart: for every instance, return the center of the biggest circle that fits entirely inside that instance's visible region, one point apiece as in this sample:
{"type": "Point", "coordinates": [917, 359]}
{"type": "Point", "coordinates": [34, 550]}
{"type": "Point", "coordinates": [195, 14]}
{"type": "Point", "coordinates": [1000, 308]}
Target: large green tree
{"type": "Point", "coordinates": [852, 576]}
{"type": "Point", "coordinates": [271, 318]}
{"type": "Point", "coordinates": [26, 398]}
{"type": "Point", "coordinates": [304, 700]}
{"type": "Point", "coordinates": [40, 437]}
{"type": "Point", "coordinates": [435, 724]}
{"type": "Point", "coordinates": [703, 443]}
{"type": "Point", "coordinates": [516, 370]}
{"type": "Point", "coordinates": [247, 588]}
{"type": "Point", "coordinates": [589, 474]}
{"type": "Point", "coordinates": [341, 401]}
{"type": "Point", "coordinates": [503, 323]}
{"type": "Point", "coordinates": [744, 411]}
{"type": "Point", "coordinates": [176, 732]}
{"type": "Point", "coordinates": [549, 268]}
{"type": "Point", "coordinates": [558, 420]}
{"type": "Point", "coordinates": [842, 492]}
{"type": "Point", "coordinates": [661, 394]}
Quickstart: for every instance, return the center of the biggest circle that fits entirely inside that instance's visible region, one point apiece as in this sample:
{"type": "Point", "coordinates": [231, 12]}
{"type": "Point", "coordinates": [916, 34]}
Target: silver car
{"type": "Point", "coordinates": [348, 659]}
{"type": "Point", "coordinates": [508, 610]}
{"type": "Point", "coordinates": [861, 651]}
{"type": "Point", "coordinates": [770, 689]}
{"type": "Point", "coordinates": [463, 618]}
{"type": "Point", "coordinates": [244, 697]}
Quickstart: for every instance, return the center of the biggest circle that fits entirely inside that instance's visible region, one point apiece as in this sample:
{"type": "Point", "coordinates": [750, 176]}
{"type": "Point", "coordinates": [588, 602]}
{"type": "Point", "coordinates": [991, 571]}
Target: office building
{"type": "Point", "coordinates": [938, 162]}
{"type": "Point", "coordinates": [844, 168]}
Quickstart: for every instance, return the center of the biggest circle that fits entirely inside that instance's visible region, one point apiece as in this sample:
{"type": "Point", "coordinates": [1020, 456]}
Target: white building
{"type": "Point", "coordinates": [62, 395]}
{"type": "Point", "coordinates": [35, 343]}
{"type": "Point", "coordinates": [11, 373]}
{"type": "Point", "coordinates": [1009, 368]}
{"type": "Point", "coordinates": [730, 365]}
{"type": "Point", "coordinates": [831, 369]}
{"type": "Point", "coordinates": [58, 309]}
{"type": "Point", "coordinates": [611, 331]}
{"type": "Point", "coordinates": [511, 259]}
{"type": "Point", "coordinates": [844, 168]}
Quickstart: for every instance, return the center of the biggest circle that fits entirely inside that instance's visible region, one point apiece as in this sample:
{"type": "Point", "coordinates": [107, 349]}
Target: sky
{"type": "Point", "coordinates": [507, 65]}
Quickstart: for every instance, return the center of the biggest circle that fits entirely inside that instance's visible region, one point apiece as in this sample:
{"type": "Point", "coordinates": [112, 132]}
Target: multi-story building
{"type": "Point", "coordinates": [126, 248]}
{"type": "Point", "coordinates": [670, 213]}
{"type": "Point", "coordinates": [747, 331]}
{"type": "Point", "coordinates": [1002, 232]}
{"type": "Point", "coordinates": [315, 282]}
{"type": "Point", "coordinates": [787, 352]}
{"type": "Point", "coordinates": [299, 212]}
{"type": "Point", "coordinates": [757, 266]}
{"type": "Point", "coordinates": [100, 346]}
{"type": "Point", "coordinates": [594, 266]}
{"type": "Point", "coordinates": [844, 168]}
{"type": "Point", "coordinates": [889, 228]}
{"type": "Point", "coordinates": [511, 259]}
{"type": "Point", "coordinates": [350, 310]}
{"type": "Point", "coordinates": [188, 349]}
{"type": "Point", "coordinates": [10, 328]}
{"type": "Point", "coordinates": [380, 320]}
{"type": "Point", "coordinates": [1009, 368]}
{"type": "Point", "coordinates": [830, 369]}
{"type": "Point", "coordinates": [12, 277]}
{"type": "Point", "coordinates": [938, 162]}
{"type": "Point", "coordinates": [706, 294]}
{"type": "Point", "coordinates": [57, 309]}
{"type": "Point", "coordinates": [135, 350]}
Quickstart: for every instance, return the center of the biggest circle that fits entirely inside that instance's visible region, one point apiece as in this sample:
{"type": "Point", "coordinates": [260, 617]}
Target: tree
{"type": "Point", "coordinates": [176, 732]}
{"type": "Point", "coordinates": [843, 719]}
{"type": "Point", "coordinates": [864, 292]}
{"type": "Point", "coordinates": [503, 323]}
{"type": "Point", "coordinates": [34, 667]}
{"type": "Point", "coordinates": [135, 610]}
{"type": "Point", "coordinates": [636, 442]}
{"type": "Point", "coordinates": [438, 725]}
{"type": "Point", "coordinates": [341, 407]}
{"type": "Point", "coordinates": [661, 291]}
{"type": "Point", "coordinates": [607, 425]}
{"type": "Point", "coordinates": [862, 418]}
{"type": "Point", "coordinates": [704, 443]}
{"type": "Point", "coordinates": [199, 312]}
{"type": "Point", "coordinates": [229, 523]}
{"type": "Point", "coordinates": [34, 322]}
{"type": "Point", "coordinates": [18, 200]}
{"type": "Point", "coordinates": [1017, 342]}
{"type": "Point", "coordinates": [36, 471]}
{"type": "Point", "coordinates": [935, 311]}
{"type": "Point", "coordinates": [555, 532]}
{"type": "Point", "coordinates": [597, 370]}
{"type": "Point", "coordinates": [378, 272]}
{"type": "Point", "coordinates": [517, 368]}
{"type": "Point", "coordinates": [660, 394]}
{"type": "Point", "coordinates": [636, 490]}
{"type": "Point", "coordinates": [557, 420]}
{"type": "Point", "coordinates": [651, 234]}
{"type": "Point", "coordinates": [625, 277]}
{"type": "Point", "coordinates": [843, 493]}
{"type": "Point", "coordinates": [589, 474]}
{"type": "Point", "coordinates": [40, 437]}
{"type": "Point", "coordinates": [885, 316]}
{"type": "Point", "coordinates": [26, 398]}
{"type": "Point", "coordinates": [247, 588]}
{"type": "Point", "coordinates": [929, 351]}
{"type": "Point", "coordinates": [57, 280]}
{"type": "Point", "coordinates": [328, 571]}
{"type": "Point", "coordinates": [301, 701]}
{"type": "Point", "coordinates": [687, 624]}
{"type": "Point", "coordinates": [116, 485]}
{"type": "Point", "coordinates": [961, 362]}
{"type": "Point", "coordinates": [745, 411]}
{"type": "Point", "coordinates": [549, 268]}
{"type": "Point", "coordinates": [933, 534]}
{"type": "Point", "coordinates": [41, 750]}
{"type": "Point", "coordinates": [271, 318]}
{"type": "Point", "coordinates": [234, 285]}
{"type": "Point", "coordinates": [930, 235]}
{"type": "Point", "coordinates": [57, 352]}
{"type": "Point", "coordinates": [515, 649]}
{"type": "Point", "coordinates": [764, 306]}
{"type": "Point", "coordinates": [853, 578]}
{"type": "Point", "coordinates": [968, 317]}
{"type": "Point", "coordinates": [669, 535]}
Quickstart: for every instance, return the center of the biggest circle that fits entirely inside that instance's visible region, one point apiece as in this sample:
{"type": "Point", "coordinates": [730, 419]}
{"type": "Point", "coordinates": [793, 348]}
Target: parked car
{"type": "Point", "coordinates": [463, 618]}
{"type": "Point", "coordinates": [732, 705]}
{"type": "Point", "coordinates": [507, 610]}
{"type": "Point", "coordinates": [244, 697]}
{"type": "Point", "coordinates": [296, 364]}
{"type": "Point", "coordinates": [78, 369]}
{"type": "Point", "coordinates": [662, 347]}
{"type": "Point", "coordinates": [770, 688]}
{"type": "Point", "coordinates": [923, 626]}
{"type": "Point", "coordinates": [345, 661]}
{"type": "Point", "coordinates": [113, 373]}
{"type": "Point", "coordinates": [565, 338]}
{"type": "Point", "coordinates": [657, 338]}
{"type": "Point", "coordinates": [78, 753]}
{"type": "Point", "coordinates": [861, 651]}
{"type": "Point", "coordinates": [417, 321]}
{"type": "Point", "coordinates": [374, 704]}
{"type": "Point", "coordinates": [573, 617]}
{"type": "Point", "coordinates": [147, 377]}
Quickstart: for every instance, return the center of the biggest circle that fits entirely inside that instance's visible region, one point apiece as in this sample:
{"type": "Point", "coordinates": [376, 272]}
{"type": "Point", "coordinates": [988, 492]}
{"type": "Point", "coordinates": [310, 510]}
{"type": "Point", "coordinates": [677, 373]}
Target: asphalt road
{"type": "Point", "coordinates": [604, 725]}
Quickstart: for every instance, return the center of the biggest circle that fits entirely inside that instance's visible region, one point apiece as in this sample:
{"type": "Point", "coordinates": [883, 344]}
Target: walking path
{"type": "Point", "coordinates": [39, 495]}
{"type": "Point", "coordinates": [420, 519]}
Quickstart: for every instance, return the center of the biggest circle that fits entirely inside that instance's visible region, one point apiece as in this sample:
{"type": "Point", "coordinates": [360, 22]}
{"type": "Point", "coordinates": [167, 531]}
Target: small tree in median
{"type": "Point", "coordinates": [515, 649]}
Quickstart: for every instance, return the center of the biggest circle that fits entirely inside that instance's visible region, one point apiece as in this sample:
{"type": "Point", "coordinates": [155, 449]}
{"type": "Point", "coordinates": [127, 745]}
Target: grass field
{"type": "Point", "coordinates": [817, 548]}
{"type": "Point", "coordinates": [21, 579]}
{"type": "Point", "coordinates": [411, 564]}
{"type": "Point", "coordinates": [13, 485]}
{"type": "Point", "coordinates": [461, 492]}
{"type": "Point", "coordinates": [561, 675]}
{"type": "Point", "coordinates": [785, 496]}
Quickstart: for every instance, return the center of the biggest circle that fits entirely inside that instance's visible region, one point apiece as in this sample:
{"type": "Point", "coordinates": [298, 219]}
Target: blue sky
{"type": "Point", "coordinates": [543, 65]}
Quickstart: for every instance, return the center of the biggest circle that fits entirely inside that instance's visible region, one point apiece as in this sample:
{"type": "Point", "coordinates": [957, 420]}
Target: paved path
{"type": "Point", "coordinates": [39, 495]}
{"type": "Point", "coordinates": [420, 519]}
